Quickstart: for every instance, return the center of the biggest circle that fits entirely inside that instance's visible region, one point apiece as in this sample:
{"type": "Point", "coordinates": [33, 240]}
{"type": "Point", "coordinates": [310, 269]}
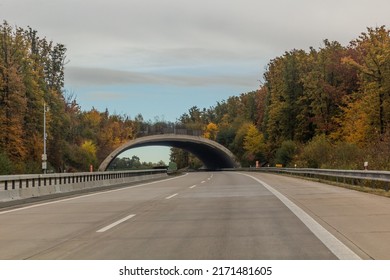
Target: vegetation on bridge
{"type": "Point", "coordinates": [326, 107]}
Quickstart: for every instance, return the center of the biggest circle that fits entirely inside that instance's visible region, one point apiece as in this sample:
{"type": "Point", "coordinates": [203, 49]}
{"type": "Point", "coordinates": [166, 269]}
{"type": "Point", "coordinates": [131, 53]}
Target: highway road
{"type": "Point", "coordinates": [205, 215]}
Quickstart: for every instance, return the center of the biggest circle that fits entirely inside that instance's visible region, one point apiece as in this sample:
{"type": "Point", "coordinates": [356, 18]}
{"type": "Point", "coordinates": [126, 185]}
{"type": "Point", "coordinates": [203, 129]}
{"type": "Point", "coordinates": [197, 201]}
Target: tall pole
{"type": "Point", "coordinates": [44, 156]}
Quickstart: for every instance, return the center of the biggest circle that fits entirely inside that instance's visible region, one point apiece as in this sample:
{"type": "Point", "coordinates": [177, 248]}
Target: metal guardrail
{"type": "Point", "coordinates": [13, 182]}
{"type": "Point", "coordinates": [169, 130]}
{"type": "Point", "coordinates": [338, 175]}
{"type": "Point", "coordinates": [383, 176]}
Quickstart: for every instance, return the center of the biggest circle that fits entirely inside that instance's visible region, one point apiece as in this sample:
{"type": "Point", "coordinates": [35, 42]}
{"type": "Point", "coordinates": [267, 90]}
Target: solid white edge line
{"type": "Point", "coordinates": [116, 223]}
{"type": "Point", "coordinates": [88, 195]}
{"type": "Point", "coordinates": [169, 197]}
{"type": "Point", "coordinates": [339, 249]}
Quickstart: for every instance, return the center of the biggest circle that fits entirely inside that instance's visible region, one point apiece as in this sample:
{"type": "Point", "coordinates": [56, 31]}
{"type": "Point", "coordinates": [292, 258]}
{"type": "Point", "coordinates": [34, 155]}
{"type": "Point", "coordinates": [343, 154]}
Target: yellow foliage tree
{"type": "Point", "coordinates": [89, 150]}
{"type": "Point", "coordinates": [356, 124]}
{"type": "Point", "coordinates": [211, 131]}
{"type": "Point", "coordinates": [254, 141]}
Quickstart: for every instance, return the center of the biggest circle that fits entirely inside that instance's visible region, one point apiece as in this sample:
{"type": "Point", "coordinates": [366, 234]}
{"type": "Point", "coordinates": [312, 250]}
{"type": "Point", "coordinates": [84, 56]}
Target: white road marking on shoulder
{"type": "Point", "coordinates": [115, 224]}
{"type": "Point", "coordinates": [340, 250]}
{"type": "Point", "coordinates": [169, 197]}
{"type": "Point", "coordinates": [203, 182]}
{"type": "Point", "coordinates": [192, 186]}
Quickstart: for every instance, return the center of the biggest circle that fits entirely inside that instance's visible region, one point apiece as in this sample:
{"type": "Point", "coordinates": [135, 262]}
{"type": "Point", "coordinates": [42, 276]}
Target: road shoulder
{"type": "Point", "coordinates": [359, 220]}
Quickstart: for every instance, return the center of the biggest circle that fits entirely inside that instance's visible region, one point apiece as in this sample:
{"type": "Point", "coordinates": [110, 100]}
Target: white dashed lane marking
{"type": "Point", "coordinates": [169, 197]}
{"type": "Point", "coordinates": [115, 224]}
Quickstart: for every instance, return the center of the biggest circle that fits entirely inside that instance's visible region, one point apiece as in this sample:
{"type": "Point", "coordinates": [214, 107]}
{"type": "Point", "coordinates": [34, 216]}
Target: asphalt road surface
{"type": "Point", "coordinates": [206, 215]}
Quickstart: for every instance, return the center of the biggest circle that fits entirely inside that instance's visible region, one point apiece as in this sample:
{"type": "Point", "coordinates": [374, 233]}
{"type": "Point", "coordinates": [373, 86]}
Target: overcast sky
{"type": "Point", "coordinates": [161, 57]}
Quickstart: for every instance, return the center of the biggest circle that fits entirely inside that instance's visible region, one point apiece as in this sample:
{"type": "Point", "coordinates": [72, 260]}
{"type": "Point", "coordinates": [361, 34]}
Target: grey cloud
{"type": "Point", "coordinates": [236, 26]}
{"type": "Point", "coordinates": [142, 35]}
{"type": "Point", "coordinates": [82, 76]}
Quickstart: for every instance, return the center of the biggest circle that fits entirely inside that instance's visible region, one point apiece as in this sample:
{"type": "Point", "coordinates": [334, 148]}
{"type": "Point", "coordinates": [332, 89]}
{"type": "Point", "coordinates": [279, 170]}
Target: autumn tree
{"type": "Point", "coordinates": [286, 153]}
{"type": "Point", "coordinates": [211, 131]}
{"type": "Point", "coordinates": [180, 157]}
{"type": "Point", "coordinates": [13, 100]}
{"type": "Point", "coordinates": [254, 144]}
{"type": "Point", "coordinates": [285, 87]}
{"type": "Point", "coordinates": [369, 108]}
{"type": "Point", "coordinates": [327, 83]}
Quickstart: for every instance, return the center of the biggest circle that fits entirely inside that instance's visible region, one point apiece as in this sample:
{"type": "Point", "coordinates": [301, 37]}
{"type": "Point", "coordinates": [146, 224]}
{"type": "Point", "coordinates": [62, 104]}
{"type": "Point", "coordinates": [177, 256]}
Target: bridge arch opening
{"type": "Point", "coordinates": [213, 155]}
{"type": "Point", "coordinates": [142, 157]}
